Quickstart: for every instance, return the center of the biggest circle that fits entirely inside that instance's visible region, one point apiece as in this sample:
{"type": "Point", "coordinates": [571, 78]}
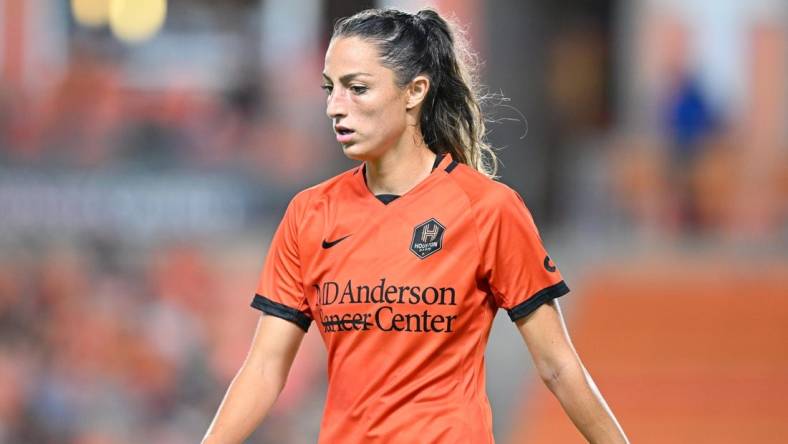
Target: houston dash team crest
{"type": "Point", "coordinates": [427, 238]}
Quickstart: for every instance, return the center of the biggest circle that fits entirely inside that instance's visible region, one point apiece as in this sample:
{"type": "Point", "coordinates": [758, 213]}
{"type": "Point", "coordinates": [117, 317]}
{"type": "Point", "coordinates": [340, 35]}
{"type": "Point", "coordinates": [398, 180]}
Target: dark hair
{"type": "Point", "coordinates": [424, 43]}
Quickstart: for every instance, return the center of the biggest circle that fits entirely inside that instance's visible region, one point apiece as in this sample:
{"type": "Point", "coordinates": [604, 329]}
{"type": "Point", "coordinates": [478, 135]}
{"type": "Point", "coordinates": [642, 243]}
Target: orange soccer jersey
{"type": "Point", "coordinates": [404, 295]}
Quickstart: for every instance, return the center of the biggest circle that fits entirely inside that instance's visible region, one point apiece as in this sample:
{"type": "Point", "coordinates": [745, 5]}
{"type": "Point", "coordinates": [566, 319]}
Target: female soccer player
{"type": "Point", "coordinates": [403, 261]}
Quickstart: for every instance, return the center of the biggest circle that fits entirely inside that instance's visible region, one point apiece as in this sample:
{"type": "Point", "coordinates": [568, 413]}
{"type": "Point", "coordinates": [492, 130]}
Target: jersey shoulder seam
{"type": "Point", "coordinates": [307, 195]}
{"type": "Point", "coordinates": [473, 207]}
{"type": "Point", "coordinates": [332, 180]}
{"type": "Point", "coordinates": [470, 204]}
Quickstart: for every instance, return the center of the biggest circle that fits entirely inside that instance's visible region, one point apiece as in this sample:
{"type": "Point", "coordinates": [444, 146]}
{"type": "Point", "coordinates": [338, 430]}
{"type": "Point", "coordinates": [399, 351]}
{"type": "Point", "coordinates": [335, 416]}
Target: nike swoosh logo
{"type": "Point", "coordinates": [334, 242]}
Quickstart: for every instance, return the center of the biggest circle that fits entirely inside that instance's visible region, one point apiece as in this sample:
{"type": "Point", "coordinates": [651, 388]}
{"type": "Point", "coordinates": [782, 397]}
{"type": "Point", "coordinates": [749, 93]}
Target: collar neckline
{"type": "Point", "coordinates": [443, 161]}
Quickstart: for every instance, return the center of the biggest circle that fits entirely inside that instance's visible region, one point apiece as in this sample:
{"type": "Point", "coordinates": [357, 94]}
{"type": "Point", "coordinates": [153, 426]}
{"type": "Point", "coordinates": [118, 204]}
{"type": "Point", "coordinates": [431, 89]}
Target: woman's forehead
{"type": "Point", "coordinates": [352, 55]}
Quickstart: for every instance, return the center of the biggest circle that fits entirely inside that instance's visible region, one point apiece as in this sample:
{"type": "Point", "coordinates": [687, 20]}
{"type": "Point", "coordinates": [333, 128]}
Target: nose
{"type": "Point", "coordinates": [335, 104]}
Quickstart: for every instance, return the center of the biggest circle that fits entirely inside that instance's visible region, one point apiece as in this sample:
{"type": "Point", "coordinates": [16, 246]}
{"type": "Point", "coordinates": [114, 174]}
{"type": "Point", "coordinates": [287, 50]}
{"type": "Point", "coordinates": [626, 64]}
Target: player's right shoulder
{"type": "Point", "coordinates": [333, 182]}
{"type": "Point", "coordinates": [334, 185]}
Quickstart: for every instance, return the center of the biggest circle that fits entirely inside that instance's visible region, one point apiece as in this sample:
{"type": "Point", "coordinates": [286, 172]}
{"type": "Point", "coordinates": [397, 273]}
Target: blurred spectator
{"type": "Point", "coordinates": [123, 353]}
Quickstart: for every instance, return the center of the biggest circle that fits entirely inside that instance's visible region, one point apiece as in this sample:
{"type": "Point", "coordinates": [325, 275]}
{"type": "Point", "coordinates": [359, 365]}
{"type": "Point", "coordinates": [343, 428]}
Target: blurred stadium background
{"type": "Point", "coordinates": [148, 148]}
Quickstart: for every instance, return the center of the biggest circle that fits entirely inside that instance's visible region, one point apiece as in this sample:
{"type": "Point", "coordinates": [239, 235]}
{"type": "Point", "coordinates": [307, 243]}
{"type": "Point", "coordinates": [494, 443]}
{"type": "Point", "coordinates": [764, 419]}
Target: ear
{"type": "Point", "coordinates": [417, 91]}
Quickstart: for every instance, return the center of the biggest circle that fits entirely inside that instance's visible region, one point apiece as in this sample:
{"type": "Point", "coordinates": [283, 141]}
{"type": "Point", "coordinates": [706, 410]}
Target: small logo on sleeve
{"type": "Point", "coordinates": [427, 238]}
{"type": "Point", "coordinates": [548, 264]}
{"type": "Point", "coordinates": [329, 244]}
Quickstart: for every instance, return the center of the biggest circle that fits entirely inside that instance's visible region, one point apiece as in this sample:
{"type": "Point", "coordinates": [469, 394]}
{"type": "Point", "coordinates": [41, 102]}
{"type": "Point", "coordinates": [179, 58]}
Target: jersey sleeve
{"type": "Point", "coordinates": [520, 273]}
{"type": "Point", "coordinates": [280, 289]}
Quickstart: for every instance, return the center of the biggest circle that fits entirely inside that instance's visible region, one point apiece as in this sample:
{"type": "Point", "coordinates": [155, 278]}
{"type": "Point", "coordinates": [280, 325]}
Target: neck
{"type": "Point", "coordinates": [399, 169]}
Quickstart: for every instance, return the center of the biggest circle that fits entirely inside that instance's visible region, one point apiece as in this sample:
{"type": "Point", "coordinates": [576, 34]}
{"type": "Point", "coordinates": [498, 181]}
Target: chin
{"type": "Point", "coordinates": [351, 152]}
{"type": "Point", "coordinates": [357, 151]}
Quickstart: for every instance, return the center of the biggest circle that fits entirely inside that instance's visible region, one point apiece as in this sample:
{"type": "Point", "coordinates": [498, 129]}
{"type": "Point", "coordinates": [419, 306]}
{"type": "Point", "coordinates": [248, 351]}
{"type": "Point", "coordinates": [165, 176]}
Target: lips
{"type": "Point", "coordinates": [344, 134]}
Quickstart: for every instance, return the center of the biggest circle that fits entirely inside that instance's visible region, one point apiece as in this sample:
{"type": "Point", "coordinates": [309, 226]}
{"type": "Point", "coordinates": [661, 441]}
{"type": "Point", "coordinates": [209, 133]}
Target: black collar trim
{"type": "Point", "coordinates": [388, 198]}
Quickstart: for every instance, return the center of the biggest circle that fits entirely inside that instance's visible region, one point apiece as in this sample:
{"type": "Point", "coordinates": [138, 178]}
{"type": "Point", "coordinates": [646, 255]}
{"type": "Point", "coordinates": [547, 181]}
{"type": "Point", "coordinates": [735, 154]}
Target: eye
{"type": "Point", "coordinates": [358, 89]}
{"type": "Point", "coordinates": [327, 88]}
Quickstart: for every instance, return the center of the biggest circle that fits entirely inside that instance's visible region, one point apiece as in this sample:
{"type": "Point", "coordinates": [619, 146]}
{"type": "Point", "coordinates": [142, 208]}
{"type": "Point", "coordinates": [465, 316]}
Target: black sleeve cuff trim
{"type": "Point", "coordinates": [272, 308]}
{"type": "Point", "coordinates": [544, 295]}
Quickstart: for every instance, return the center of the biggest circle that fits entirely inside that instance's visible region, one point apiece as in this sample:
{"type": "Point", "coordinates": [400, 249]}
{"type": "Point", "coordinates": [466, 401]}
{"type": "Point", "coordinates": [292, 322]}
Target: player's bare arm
{"type": "Point", "coordinates": [258, 382]}
{"type": "Point", "coordinates": [559, 366]}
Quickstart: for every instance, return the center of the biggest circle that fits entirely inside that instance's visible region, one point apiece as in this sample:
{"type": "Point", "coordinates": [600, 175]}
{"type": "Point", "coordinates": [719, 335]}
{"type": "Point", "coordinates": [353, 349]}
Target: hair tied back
{"type": "Point", "coordinates": [424, 43]}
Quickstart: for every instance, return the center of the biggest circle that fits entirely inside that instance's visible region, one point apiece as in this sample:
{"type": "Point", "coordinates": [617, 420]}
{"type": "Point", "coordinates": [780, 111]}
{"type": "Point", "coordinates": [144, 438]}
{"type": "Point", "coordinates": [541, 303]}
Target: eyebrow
{"type": "Point", "coordinates": [348, 77]}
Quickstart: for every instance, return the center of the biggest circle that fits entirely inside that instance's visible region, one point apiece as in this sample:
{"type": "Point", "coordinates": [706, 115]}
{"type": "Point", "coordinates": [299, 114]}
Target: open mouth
{"type": "Point", "coordinates": [344, 135]}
